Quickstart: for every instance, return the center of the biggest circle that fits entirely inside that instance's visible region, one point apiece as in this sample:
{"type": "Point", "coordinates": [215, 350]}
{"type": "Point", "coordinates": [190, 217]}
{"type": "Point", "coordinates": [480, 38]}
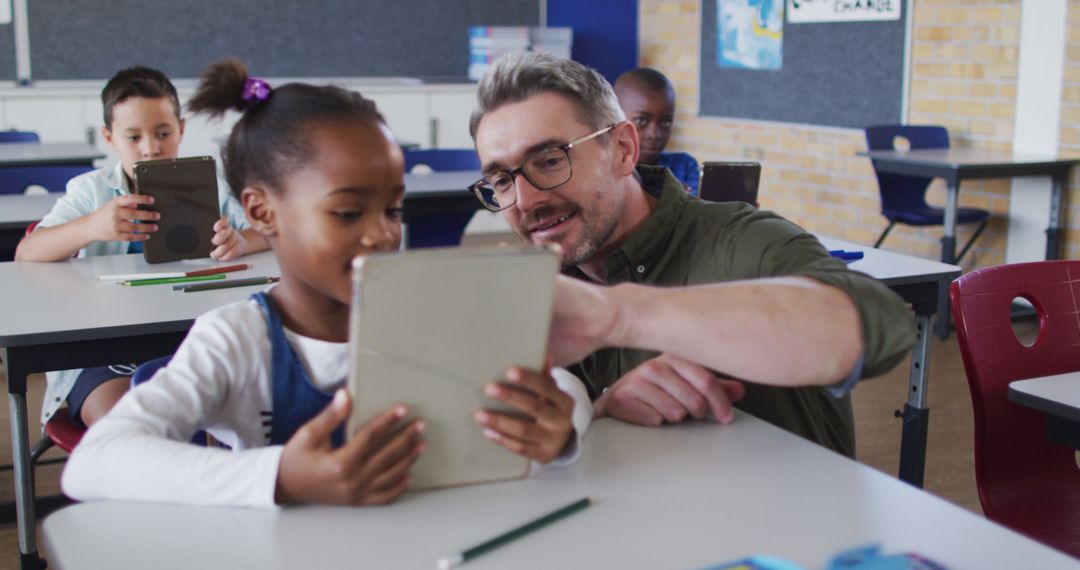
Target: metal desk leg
{"type": "Point", "coordinates": [916, 416]}
{"type": "Point", "coordinates": [20, 450]}
{"type": "Point", "coordinates": [1053, 229]}
{"type": "Point", "coordinates": [948, 255]}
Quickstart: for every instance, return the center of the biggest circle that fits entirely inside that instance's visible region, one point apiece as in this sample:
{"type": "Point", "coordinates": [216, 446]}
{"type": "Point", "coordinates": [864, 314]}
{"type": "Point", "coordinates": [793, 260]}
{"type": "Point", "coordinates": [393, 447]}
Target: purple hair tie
{"type": "Point", "coordinates": [255, 90]}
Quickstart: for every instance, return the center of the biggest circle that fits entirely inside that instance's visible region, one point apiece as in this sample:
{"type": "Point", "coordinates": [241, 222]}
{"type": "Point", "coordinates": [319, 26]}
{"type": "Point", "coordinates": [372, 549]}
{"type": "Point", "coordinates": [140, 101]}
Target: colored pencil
{"type": "Point", "coordinates": [227, 284]}
{"type": "Point", "coordinates": [173, 274]}
{"type": "Point", "coordinates": [168, 280]}
{"type": "Point", "coordinates": [457, 559]}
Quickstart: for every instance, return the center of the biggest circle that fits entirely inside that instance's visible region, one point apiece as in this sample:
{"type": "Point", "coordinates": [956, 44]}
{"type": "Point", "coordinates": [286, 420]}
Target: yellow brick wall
{"type": "Point", "coordinates": [1070, 128]}
{"type": "Point", "coordinates": [964, 72]}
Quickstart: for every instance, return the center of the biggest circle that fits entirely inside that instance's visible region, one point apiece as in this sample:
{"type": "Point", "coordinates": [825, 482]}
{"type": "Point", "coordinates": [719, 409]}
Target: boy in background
{"type": "Point", "coordinates": [648, 100]}
{"type": "Point", "coordinates": [99, 215]}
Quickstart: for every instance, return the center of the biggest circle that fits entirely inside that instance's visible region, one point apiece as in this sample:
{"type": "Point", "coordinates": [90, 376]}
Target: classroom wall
{"type": "Point", "coordinates": [964, 73]}
{"type": "Point", "coordinates": [1069, 139]}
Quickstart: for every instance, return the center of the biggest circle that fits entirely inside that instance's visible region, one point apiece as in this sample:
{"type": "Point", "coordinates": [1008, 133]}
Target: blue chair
{"type": "Point", "coordinates": [439, 229]}
{"type": "Point", "coordinates": [903, 198]}
{"type": "Point", "coordinates": [16, 179]}
{"type": "Point", "coordinates": [13, 136]}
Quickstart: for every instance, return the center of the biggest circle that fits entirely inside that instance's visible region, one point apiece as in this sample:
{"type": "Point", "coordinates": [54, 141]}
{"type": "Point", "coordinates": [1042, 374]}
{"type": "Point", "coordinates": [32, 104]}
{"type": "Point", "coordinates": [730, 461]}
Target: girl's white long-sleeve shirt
{"type": "Point", "coordinates": [218, 380]}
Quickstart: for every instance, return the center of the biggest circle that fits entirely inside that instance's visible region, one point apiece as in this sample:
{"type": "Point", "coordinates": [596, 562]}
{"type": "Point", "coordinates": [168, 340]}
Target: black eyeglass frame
{"type": "Point", "coordinates": [475, 187]}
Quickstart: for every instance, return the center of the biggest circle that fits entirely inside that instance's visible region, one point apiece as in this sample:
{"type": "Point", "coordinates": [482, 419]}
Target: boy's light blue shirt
{"type": "Point", "coordinates": [85, 194]}
{"type": "Point", "coordinates": [88, 192]}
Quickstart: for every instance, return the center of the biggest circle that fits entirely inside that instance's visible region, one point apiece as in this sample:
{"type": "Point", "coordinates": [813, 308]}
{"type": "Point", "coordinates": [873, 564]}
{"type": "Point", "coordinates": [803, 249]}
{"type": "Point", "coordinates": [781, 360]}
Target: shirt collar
{"type": "Point", "coordinates": [652, 238]}
{"type": "Point", "coordinates": [117, 181]}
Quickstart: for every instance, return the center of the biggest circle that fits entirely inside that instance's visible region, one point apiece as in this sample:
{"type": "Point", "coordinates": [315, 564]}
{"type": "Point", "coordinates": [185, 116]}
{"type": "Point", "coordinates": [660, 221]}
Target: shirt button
{"type": "Point", "coordinates": [641, 269]}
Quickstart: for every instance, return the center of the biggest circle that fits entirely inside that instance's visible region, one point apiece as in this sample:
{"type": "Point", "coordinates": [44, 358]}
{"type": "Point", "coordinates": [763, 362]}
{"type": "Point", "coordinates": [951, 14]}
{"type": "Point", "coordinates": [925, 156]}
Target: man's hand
{"type": "Point", "coordinates": [115, 220]}
{"type": "Point", "coordinates": [546, 428]}
{"type": "Point", "coordinates": [672, 389]}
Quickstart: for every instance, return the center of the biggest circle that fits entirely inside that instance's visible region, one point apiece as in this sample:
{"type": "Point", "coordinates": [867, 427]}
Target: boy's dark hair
{"type": "Point", "coordinates": [136, 81]}
{"type": "Point", "coordinates": [649, 78]}
{"type": "Point", "coordinates": [272, 139]}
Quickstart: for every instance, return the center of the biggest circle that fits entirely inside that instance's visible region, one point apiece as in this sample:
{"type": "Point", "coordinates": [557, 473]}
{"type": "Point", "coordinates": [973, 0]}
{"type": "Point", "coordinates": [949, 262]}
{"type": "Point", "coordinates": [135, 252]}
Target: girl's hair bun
{"type": "Point", "coordinates": [221, 88]}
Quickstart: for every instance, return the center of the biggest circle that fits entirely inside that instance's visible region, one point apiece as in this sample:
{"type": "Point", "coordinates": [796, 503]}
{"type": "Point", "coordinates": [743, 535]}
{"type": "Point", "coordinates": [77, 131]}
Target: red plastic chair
{"type": "Point", "coordinates": [1024, 481]}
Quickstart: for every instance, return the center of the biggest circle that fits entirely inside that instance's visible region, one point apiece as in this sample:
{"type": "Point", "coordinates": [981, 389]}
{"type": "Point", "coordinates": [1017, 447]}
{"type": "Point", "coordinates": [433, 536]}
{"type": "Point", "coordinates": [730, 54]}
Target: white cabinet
{"type": "Point", "coordinates": [406, 114]}
{"type": "Point", "coordinates": [55, 119]}
{"type": "Point", "coordinates": [450, 114]}
{"type": "Point", "coordinates": [430, 116]}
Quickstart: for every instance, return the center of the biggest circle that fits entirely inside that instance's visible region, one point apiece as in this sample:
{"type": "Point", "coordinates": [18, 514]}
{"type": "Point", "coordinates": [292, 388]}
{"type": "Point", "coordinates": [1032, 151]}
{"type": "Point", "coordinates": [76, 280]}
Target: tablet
{"type": "Point", "coordinates": [430, 328]}
{"type": "Point", "coordinates": [730, 182]}
{"type": "Point", "coordinates": [185, 192]}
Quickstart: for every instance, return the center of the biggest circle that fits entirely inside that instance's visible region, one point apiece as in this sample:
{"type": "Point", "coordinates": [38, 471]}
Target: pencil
{"type": "Point", "coordinates": [167, 280]}
{"type": "Point", "coordinates": [457, 559]}
{"type": "Point", "coordinates": [227, 284]}
{"type": "Point", "coordinates": [207, 271]}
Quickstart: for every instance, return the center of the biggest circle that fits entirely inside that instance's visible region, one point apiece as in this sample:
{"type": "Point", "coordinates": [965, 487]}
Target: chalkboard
{"type": "Point", "coordinates": [7, 52]}
{"type": "Point", "coordinates": [834, 74]}
{"type": "Point", "coordinates": [76, 39]}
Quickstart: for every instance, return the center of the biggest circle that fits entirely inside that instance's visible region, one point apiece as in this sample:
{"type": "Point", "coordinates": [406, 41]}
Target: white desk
{"type": "Point", "coordinates": [48, 154]}
{"type": "Point", "coordinates": [955, 165]}
{"type": "Point", "coordinates": [1059, 398]}
{"type": "Point", "coordinates": [920, 282]}
{"type": "Point", "coordinates": [425, 195]}
{"type": "Point", "coordinates": [58, 316]}
{"type": "Point", "coordinates": [17, 211]}
{"type": "Point", "coordinates": [684, 496]}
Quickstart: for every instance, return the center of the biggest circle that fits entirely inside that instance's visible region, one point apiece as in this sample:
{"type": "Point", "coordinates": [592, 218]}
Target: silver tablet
{"type": "Point", "coordinates": [430, 329]}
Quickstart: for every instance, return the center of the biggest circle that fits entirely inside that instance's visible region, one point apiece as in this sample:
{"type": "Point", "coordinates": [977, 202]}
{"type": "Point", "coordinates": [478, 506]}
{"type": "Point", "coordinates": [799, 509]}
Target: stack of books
{"type": "Point", "coordinates": [488, 43]}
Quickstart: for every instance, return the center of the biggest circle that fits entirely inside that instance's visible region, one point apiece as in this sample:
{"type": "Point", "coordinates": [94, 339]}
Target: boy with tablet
{"type": "Point", "coordinates": [99, 215]}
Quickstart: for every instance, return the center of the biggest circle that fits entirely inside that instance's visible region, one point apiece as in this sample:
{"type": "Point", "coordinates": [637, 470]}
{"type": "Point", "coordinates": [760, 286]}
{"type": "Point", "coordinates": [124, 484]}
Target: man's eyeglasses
{"type": "Point", "coordinates": [544, 169]}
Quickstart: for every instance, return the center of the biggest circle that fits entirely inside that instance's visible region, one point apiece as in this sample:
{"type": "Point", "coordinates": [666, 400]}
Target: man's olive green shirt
{"type": "Point", "coordinates": [688, 241]}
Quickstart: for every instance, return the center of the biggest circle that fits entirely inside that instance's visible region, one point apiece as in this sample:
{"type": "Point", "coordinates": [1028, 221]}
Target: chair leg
{"type": "Point", "coordinates": [967, 246]}
{"type": "Point", "coordinates": [884, 234]}
{"type": "Point", "coordinates": [40, 448]}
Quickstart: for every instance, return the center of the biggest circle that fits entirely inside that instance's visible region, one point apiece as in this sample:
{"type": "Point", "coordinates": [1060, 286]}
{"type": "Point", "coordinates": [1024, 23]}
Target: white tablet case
{"type": "Point", "coordinates": [430, 329]}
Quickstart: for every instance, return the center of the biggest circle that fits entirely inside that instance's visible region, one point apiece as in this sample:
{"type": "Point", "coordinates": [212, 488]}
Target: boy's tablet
{"type": "Point", "coordinates": [430, 329]}
{"type": "Point", "coordinates": [730, 182]}
{"type": "Point", "coordinates": [185, 193]}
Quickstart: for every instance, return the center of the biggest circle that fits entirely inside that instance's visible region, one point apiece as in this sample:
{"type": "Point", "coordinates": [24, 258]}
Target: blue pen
{"type": "Point", "coordinates": [846, 255]}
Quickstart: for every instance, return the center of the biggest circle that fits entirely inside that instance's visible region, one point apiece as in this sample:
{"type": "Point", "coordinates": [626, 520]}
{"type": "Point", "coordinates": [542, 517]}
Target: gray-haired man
{"type": "Point", "coordinates": [699, 291]}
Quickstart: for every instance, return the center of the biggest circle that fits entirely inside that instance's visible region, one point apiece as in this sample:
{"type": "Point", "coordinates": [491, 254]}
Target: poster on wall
{"type": "Point", "coordinates": [821, 11]}
{"type": "Point", "coordinates": [750, 34]}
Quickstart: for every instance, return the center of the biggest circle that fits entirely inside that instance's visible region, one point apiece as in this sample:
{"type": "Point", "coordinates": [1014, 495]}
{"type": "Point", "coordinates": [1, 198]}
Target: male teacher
{"type": "Point", "coordinates": [667, 294]}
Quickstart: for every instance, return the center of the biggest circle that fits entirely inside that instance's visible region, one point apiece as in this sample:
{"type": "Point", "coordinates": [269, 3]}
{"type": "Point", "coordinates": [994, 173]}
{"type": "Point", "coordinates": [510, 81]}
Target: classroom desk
{"type": "Point", "coordinates": [680, 496]}
{"type": "Point", "coordinates": [919, 282]}
{"type": "Point", "coordinates": [955, 165]}
{"type": "Point", "coordinates": [1059, 398]}
{"type": "Point", "coordinates": [58, 316]}
{"type": "Point", "coordinates": [439, 205]}
{"type": "Point", "coordinates": [437, 192]}
{"type": "Point", "coordinates": [48, 154]}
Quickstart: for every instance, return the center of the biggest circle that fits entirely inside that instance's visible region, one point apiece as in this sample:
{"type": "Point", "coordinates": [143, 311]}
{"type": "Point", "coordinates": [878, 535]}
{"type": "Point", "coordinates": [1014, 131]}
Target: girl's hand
{"type": "Point", "coordinates": [542, 435]}
{"type": "Point", "coordinates": [372, 468]}
{"type": "Point", "coordinates": [114, 220]}
{"type": "Point", "coordinates": [229, 243]}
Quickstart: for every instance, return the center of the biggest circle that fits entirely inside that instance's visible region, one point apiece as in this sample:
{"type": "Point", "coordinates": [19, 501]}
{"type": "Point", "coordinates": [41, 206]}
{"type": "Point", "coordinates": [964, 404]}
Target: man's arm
{"type": "Point", "coordinates": [785, 331]}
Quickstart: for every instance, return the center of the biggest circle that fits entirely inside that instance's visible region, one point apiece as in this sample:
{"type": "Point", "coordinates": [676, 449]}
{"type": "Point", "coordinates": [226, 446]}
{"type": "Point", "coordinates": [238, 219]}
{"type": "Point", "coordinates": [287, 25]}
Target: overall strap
{"type": "Point", "coordinates": [295, 399]}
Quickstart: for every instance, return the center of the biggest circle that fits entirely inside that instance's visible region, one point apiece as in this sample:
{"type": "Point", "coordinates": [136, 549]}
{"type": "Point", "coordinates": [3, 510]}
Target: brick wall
{"type": "Point", "coordinates": [1070, 128]}
{"type": "Point", "coordinates": [964, 72]}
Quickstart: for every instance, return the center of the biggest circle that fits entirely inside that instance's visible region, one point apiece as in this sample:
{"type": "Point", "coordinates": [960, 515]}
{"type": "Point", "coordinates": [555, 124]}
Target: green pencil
{"type": "Point", "coordinates": [457, 559]}
{"type": "Point", "coordinates": [167, 280]}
